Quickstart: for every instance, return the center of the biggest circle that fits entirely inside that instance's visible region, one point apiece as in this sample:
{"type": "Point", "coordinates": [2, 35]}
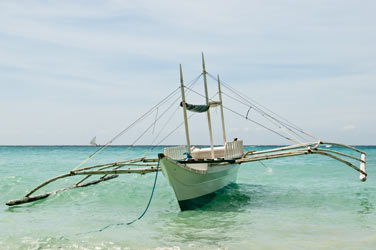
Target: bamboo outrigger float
{"type": "Point", "coordinates": [108, 171]}
{"type": "Point", "coordinates": [197, 173]}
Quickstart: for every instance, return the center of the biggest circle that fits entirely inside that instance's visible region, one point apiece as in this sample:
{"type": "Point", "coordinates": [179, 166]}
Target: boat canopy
{"type": "Point", "coordinates": [196, 108]}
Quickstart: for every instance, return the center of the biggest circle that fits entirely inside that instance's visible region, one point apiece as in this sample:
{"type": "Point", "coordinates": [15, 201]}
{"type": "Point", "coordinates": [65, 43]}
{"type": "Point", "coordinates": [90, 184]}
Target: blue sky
{"type": "Point", "coordinates": [70, 70]}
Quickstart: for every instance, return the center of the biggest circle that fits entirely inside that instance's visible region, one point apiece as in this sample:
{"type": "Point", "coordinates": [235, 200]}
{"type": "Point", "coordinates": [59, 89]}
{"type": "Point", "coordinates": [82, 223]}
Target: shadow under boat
{"type": "Point", "coordinates": [231, 198]}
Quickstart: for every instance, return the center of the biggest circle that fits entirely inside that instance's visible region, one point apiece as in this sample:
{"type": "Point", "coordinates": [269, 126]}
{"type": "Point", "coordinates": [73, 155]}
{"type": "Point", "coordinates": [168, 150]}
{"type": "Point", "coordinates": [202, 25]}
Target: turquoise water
{"type": "Point", "coordinates": [307, 202]}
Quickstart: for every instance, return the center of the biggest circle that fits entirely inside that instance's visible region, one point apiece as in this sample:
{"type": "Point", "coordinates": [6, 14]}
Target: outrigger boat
{"type": "Point", "coordinates": [194, 173]}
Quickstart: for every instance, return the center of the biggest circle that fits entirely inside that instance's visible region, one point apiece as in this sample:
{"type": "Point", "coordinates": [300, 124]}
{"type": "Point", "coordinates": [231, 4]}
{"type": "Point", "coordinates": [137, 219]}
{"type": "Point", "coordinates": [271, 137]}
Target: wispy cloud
{"type": "Point", "coordinates": [349, 127]}
{"type": "Point", "coordinates": [312, 61]}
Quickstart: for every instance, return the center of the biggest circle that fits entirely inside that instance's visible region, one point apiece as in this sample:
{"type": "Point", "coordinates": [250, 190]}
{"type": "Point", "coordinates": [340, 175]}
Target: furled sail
{"type": "Point", "coordinates": [195, 108]}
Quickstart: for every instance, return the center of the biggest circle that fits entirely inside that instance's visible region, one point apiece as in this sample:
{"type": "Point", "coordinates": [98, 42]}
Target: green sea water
{"type": "Point", "coordinates": [307, 202]}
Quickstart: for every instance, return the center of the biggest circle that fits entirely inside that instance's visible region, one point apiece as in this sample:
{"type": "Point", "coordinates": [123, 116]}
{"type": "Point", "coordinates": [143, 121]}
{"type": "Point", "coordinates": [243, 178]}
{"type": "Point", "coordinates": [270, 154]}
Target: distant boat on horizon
{"type": "Point", "coordinates": [93, 142]}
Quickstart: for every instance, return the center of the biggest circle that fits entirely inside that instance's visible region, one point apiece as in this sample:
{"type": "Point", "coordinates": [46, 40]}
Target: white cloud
{"type": "Point", "coordinates": [349, 127]}
{"type": "Point", "coordinates": [311, 61]}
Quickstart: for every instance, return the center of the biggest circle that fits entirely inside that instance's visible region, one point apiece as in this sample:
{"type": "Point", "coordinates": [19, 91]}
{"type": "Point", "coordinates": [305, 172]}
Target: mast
{"type": "Point", "coordinates": [207, 103]}
{"type": "Point", "coordinates": [184, 111]}
{"type": "Point", "coordinates": [222, 117]}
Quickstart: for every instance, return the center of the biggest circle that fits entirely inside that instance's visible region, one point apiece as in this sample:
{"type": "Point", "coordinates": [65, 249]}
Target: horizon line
{"type": "Point", "coordinates": [144, 145]}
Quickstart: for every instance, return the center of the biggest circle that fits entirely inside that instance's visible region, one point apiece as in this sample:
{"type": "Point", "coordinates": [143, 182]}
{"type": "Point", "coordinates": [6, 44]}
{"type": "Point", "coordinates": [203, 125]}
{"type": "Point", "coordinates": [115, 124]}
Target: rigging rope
{"type": "Point", "coordinates": [287, 124]}
{"type": "Point", "coordinates": [278, 125]}
{"type": "Point", "coordinates": [237, 113]}
{"type": "Point", "coordinates": [157, 168]}
{"type": "Point", "coordinates": [150, 111]}
{"type": "Point", "coordinates": [169, 134]}
{"type": "Point", "coordinates": [247, 111]}
{"type": "Point", "coordinates": [191, 83]}
{"type": "Point", "coordinates": [254, 103]}
{"type": "Point", "coordinates": [262, 112]}
{"type": "Point", "coordinates": [139, 217]}
{"type": "Point", "coordinates": [145, 131]}
{"type": "Point", "coordinates": [127, 128]}
{"type": "Point", "coordinates": [160, 132]}
{"type": "Point", "coordinates": [290, 139]}
{"type": "Point", "coordinates": [155, 121]}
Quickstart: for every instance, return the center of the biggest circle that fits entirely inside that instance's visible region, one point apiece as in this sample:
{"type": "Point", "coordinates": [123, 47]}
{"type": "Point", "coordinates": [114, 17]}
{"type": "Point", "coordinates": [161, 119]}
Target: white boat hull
{"type": "Point", "coordinates": [195, 184]}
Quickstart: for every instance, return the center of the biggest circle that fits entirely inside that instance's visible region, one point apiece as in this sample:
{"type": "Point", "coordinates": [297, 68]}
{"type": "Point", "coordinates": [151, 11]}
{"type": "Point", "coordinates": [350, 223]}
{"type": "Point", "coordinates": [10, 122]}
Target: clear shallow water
{"type": "Point", "coordinates": [307, 202]}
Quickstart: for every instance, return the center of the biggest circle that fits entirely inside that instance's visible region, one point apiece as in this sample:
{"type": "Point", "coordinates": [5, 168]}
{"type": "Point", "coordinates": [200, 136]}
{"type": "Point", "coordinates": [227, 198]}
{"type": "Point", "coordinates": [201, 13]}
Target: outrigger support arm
{"type": "Point", "coordinates": [309, 148]}
{"type": "Point", "coordinates": [27, 199]}
{"type": "Point", "coordinates": [143, 166]}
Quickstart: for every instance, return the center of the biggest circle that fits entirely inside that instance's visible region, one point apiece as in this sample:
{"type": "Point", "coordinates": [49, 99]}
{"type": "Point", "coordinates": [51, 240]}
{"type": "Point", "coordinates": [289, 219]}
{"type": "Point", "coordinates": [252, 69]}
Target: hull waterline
{"type": "Point", "coordinates": [197, 184]}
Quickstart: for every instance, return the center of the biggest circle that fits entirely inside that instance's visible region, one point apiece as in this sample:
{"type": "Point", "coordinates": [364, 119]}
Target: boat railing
{"type": "Point", "coordinates": [176, 153]}
{"type": "Point", "coordinates": [234, 149]}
